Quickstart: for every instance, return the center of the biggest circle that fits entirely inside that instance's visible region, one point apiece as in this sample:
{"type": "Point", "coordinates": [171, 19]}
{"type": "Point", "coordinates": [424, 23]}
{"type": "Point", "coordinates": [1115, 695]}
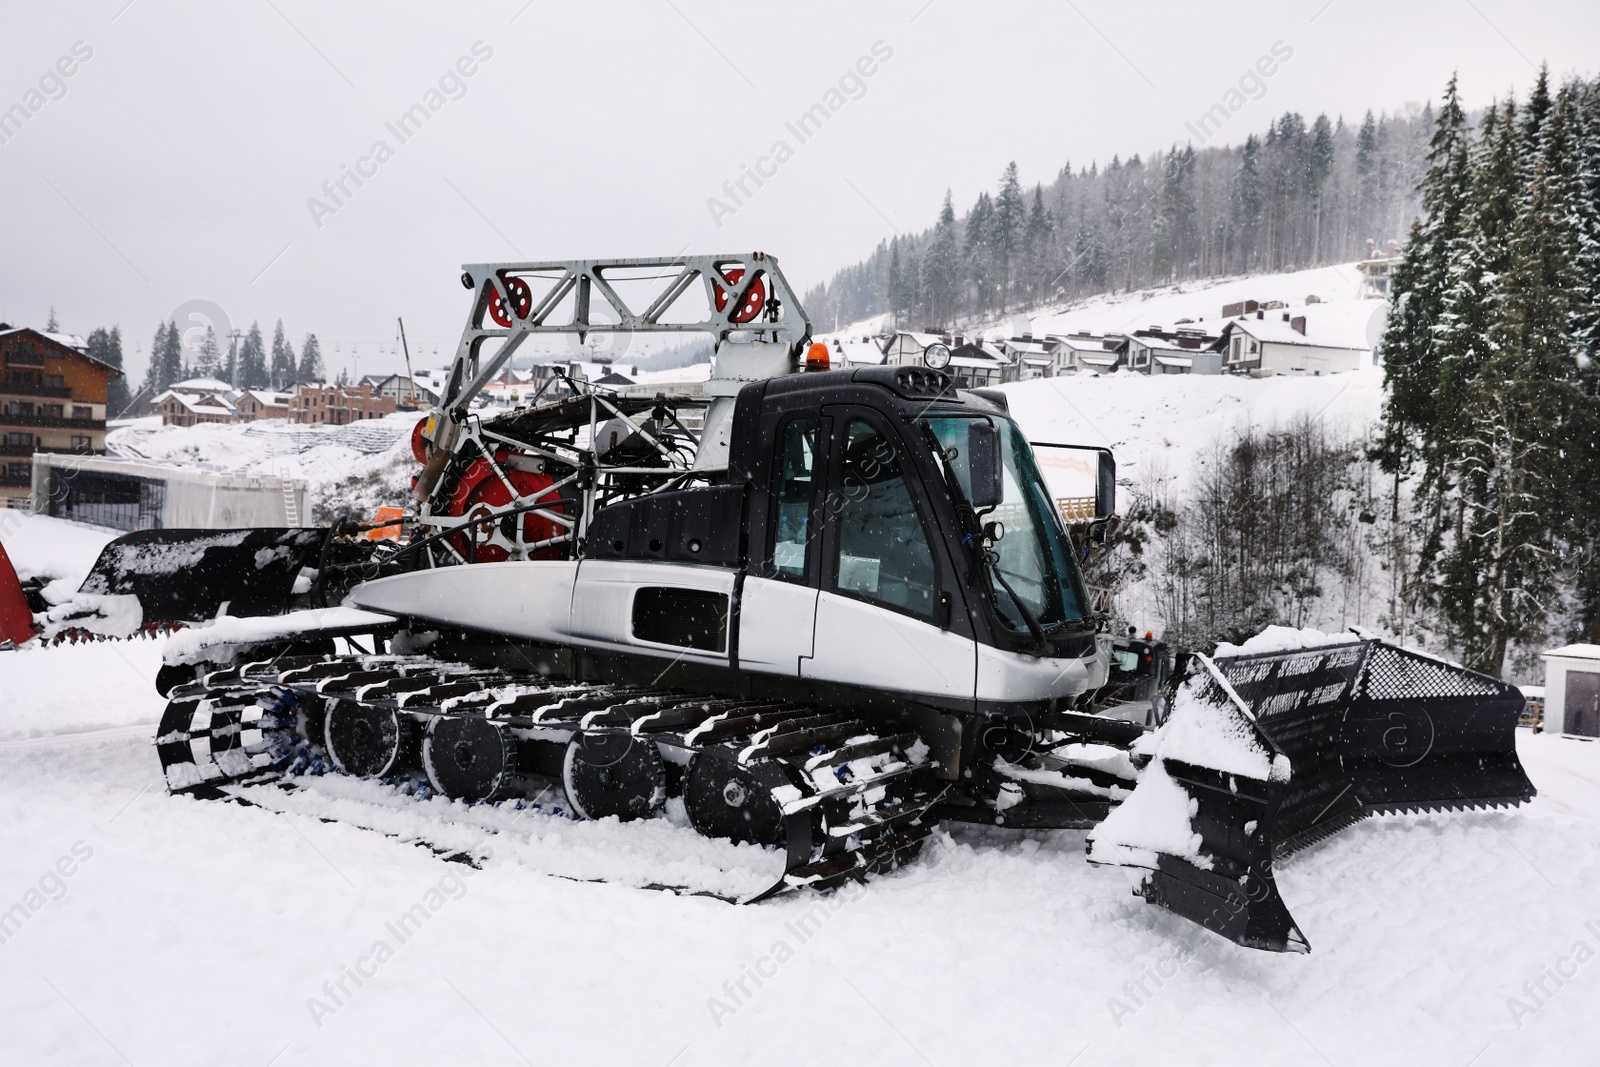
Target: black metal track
{"type": "Point", "coordinates": [853, 804]}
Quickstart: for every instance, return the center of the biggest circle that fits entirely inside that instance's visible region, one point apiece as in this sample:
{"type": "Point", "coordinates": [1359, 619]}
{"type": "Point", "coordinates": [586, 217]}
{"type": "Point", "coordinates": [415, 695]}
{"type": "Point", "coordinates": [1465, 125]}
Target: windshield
{"type": "Point", "coordinates": [1035, 555]}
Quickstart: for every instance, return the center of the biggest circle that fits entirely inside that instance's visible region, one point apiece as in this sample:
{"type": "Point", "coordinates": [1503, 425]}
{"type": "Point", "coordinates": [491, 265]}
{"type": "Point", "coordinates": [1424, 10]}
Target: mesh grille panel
{"type": "Point", "coordinates": [1396, 674]}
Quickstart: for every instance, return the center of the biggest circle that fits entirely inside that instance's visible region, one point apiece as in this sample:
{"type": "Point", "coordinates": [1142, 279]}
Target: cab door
{"type": "Point", "coordinates": [778, 604]}
{"type": "Point", "coordinates": [884, 601]}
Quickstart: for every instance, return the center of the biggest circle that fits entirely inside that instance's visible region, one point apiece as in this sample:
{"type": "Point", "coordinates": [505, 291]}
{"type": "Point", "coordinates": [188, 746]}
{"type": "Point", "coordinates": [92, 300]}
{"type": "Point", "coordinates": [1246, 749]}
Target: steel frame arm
{"type": "Point", "coordinates": [781, 318]}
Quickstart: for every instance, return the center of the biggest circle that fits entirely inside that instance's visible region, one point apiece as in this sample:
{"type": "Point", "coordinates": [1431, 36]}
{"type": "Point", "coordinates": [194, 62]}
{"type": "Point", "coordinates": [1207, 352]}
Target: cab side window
{"type": "Point", "coordinates": [883, 553]}
{"type": "Point", "coordinates": [793, 483]}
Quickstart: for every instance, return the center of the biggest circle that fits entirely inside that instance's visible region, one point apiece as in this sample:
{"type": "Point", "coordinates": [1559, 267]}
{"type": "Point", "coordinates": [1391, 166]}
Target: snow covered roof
{"type": "Point", "coordinates": [66, 340]}
{"type": "Point", "coordinates": [1160, 347]}
{"type": "Point", "coordinates": [71, 340]}
{"type": "Point", "coordinates": [974, 362]}
{"type": "Point", "coordinates": [199, 403]}
{"type": "Point", "coordinates": [922, 339]}
{"type": "Point", "coordinates": [268, 398]}
{"type": "Point", "coordinates": [1086, 342]}
{"type": "Point", "coordinates": [202, 385]}
{"type": "Point", "coordinates": [1278, 332]}
{"type": "Point", "coordinates": [1575, 652]}
{"type": "Point", "coordinates": [1028, 347]}
{"type": "Point", "coordinates": [1175, 361]}
{"type": "Point", "coordinates": [863, 350]}
{"type": "Point", "coordinates": [982, 351]}
{"type": "Point", "coordinates": [1099, 359]}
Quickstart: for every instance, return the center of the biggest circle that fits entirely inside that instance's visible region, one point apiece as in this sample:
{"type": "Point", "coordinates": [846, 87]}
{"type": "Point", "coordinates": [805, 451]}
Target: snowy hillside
{"type": "Point", "coordinates": [1165, 432]}
{"type": "Point", "coordinates": [358, 467]}
{"type": "Point", "coordinates": [1338, 312]}
{"type": "Point", "coordinates": [1160, 427]}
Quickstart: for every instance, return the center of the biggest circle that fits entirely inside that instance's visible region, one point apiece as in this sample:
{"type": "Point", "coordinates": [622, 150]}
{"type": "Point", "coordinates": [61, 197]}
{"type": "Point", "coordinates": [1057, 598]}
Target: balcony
{"type": "Point", "coordinates": [51, 422]}
{"type": "Point", "coordinates": [55, 392]}
{"type": "Point", "coordinates": [60, 450]}
{"type": "Point", "coordinates": [13, 481]}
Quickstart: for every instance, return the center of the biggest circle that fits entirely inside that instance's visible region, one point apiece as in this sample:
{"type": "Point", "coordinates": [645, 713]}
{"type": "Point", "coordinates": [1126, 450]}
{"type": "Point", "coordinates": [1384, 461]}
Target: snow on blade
{"type": "Point", "coordinates": [1207, 727]}
{"type": "Point", "coordinates": [168, 558]}
{"type": "Point", "coordinates": [1216, 732]}
{"type": "Point", "coordinates": [1285, 639]}
{"type": "Point", "coordinates": [1154, 819]}
{"type": "Point", "coordinates": [111, 614]}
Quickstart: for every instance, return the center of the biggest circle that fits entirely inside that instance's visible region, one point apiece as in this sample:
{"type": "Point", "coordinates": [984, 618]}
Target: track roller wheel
{"type": "Point", "coordinates": [724, 799]}
{"type": "Point", "coordinates": [467, 757]}
{"type": "Point", "coordinates": [609, 772]}
{"type": "Point", "coordinates": [369, 741]}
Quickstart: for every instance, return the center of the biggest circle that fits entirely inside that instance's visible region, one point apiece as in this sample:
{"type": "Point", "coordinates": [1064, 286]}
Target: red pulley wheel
{"type": "Point", "coordinates": [520, 294]}
{"type": "Point", "coordinates": [754, 300]}
{"type": "Point", "coordinates": [479, 491]}
{"type": "Point", "coordinates": [419, 444]}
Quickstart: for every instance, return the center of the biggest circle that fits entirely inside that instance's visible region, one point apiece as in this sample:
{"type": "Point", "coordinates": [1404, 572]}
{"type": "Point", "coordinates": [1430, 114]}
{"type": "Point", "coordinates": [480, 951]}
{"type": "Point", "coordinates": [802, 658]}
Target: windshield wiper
{"type": "Point", "coordinates": [992, 558]}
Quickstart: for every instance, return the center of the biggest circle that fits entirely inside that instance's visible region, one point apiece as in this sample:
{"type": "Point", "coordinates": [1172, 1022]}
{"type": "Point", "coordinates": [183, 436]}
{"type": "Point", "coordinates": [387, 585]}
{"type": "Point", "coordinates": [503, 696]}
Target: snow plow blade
{"type": "Point", "coordinates": [188, 575]}
{"type": "Point", "coordinates": [1265, 754]}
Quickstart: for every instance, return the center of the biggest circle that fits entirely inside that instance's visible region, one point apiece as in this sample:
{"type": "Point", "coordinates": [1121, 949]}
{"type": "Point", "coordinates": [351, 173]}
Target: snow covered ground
{"type": "Point", "coordinates": [138, 928]}
{"type": "Point", "coordinates": [198, 933]}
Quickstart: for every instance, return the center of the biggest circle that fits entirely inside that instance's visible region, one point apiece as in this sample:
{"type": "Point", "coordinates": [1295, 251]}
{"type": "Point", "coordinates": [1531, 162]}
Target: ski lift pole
{"type": "Point", "coordinates": [411, 380]}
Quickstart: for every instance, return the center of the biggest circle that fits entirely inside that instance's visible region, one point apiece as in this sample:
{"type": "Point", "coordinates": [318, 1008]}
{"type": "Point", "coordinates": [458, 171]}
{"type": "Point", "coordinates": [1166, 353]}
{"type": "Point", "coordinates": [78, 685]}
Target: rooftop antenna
{"type": "Point", "coordinates": [410, 377]}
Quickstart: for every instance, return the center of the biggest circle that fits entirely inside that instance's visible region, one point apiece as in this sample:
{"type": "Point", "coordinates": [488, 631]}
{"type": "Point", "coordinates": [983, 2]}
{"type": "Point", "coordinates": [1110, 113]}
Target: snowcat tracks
{"type": "Point", "coordinates": [1366, 727]}
{"type": "Point", "coordinates": [852, 802]}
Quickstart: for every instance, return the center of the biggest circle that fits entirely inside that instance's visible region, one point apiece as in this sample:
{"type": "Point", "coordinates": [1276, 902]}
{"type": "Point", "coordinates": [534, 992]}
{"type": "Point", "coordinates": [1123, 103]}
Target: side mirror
{"type": "Point", "coordinates": [1105, 485]}
{"type": "Point", "coordinates": [984, 472]}
{"type": "Point", "coordinates": [1081, 479]}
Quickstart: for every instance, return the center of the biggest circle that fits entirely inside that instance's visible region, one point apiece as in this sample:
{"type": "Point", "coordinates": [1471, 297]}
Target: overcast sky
{"type": "Point", "coordinates": [179, 159]}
